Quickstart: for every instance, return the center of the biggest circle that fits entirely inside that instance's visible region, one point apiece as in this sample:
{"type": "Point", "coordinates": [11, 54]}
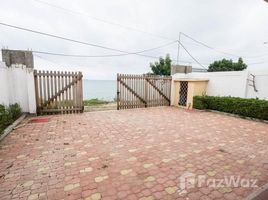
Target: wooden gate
{"type": "Point", "coordinates": [58, 92]}
{"type": "Point", "coordinates": [138, 91]}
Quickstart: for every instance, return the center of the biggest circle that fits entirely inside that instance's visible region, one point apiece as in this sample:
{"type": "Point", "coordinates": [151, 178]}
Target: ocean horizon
{"type": "Point", "coordinates": [100, 89]}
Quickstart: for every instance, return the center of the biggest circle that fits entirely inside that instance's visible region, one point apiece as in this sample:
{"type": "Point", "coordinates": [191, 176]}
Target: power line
{"type": "Point", "coordinates": [219, 51]}
{"type": "Point", "coordinates": [80, 56]}
{"type": "Point", "coordinates": [46, 59]}
{"type": "Point", "coordinates": [103, 20]}
{"type": "Point", "coordinates": [97, 56]}
{"type": "Point", "coordinates": [107, 22]}
{"type": "Point", "coordinates": [178, 54]}
{"type": "Point", "coordinates": [108, 55]}
{"type": "Point", "coordinates": [73, 40]}
{"type": "Point", "coordinates": [92, 56]}
{"type": "Point", "coordinates": [88, 44]}
{"type": "Point", "coordinates": [212, 48]}
{"type": "Point", "coordinates": [191, 55]}
{"type": "Point", "coordinates": [94, 45]}
{"type": "Point", "coordinates": [62, 38]}
{"type": "Point", "coordinates": [134, 29]}
{"type": "Point", "coordinates": [36, 52]}
{"type": "Point", "coordinates": [110, 23]}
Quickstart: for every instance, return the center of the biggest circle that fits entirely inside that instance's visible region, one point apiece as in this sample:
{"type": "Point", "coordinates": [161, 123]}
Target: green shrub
{"type": "Point", "coordinates": [8, 115]}
{"type": "Point", "coordinates": [199, 103]}
{"type": "Point", "coordinates": [254, 108]}
{"type": "Point", "coordinates": [15, 111]}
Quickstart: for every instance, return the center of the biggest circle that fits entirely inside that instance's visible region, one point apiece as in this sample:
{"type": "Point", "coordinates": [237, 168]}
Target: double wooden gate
{"type": "Point", "coordinates": [138, 91]}
{"type": "Point", "coordinates": [58, 92]}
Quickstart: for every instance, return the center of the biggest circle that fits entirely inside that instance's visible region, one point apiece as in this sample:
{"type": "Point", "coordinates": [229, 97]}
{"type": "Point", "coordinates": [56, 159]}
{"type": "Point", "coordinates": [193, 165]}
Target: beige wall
{"type": "Point", "coordinates": [195, 87]}
{"type": "Point", "coordinates": [175, 99]}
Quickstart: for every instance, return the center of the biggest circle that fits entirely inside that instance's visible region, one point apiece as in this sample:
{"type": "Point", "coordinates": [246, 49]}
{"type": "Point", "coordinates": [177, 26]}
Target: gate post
{"type": "Point", "coordinates": [36, 91]}
{"type": "Point", "coordinates": [81, 94]}
{"type": "Point", "coordinates": [117, 98]}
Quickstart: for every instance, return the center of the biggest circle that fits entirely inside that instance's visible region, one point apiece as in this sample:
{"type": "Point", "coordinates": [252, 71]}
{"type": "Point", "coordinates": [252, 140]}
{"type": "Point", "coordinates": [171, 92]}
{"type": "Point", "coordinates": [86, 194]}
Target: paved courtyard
{"type": "Point", "coordinates": [133, 154]}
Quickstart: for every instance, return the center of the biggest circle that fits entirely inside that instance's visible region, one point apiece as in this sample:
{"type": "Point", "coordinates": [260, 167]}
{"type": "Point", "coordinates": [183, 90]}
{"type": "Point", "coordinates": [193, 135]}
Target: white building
{"type": "Point", "coordinates": [244, 84]}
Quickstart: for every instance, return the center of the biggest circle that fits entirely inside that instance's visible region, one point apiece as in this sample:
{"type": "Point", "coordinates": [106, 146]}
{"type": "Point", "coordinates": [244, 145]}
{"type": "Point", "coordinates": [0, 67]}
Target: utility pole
{"type": "Point", "coordinates": [179, 45]}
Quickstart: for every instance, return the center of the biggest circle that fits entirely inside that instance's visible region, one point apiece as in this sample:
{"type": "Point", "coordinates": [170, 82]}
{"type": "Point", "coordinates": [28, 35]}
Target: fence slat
{"type": "Point", "coordinates": [55, 87]}
{"type": "Point", "coordinates": [45, 91]}
{"type": "Point", "coordinates": [40, 89]}
{"type": "Point", "coordinates": [81, 89]}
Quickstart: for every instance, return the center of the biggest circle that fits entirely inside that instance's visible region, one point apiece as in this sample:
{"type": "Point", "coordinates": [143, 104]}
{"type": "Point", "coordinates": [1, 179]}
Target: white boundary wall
{"type": "Point", "coordinates": [17, 86]}
{"type": "Point", "coordinates": [235, 83]}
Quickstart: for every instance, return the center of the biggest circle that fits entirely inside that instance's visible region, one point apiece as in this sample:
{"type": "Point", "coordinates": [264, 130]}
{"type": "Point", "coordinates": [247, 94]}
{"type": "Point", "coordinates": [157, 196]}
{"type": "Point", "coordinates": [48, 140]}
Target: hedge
{"type": "Point", "coordinates": [8, 115]}
{"type": "Point", "coordinates": [253, 108]}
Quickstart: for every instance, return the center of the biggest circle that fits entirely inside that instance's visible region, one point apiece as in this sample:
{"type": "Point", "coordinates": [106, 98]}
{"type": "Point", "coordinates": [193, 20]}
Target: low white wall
{"type": "Point", "coordinates": [17, 86]}
{"type": "Point", "coordinates": [235, 83]}
{"type": "Point", "coordinates": [4, 82]}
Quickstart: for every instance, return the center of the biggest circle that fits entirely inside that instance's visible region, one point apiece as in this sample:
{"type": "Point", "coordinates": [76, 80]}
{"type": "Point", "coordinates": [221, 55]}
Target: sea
{"type": "Point", "coordinates": [100, 89]}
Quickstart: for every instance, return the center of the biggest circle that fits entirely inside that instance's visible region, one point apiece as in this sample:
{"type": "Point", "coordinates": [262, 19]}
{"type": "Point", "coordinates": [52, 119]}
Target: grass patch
{"type": "Point", "coordinates": [95, 102]}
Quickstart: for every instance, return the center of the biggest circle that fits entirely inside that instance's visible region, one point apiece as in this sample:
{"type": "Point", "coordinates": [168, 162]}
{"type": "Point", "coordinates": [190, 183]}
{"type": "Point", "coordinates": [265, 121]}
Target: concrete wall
{"type": "Point", "coordinates": [180, 69]}
{"type": "Point", "coordinates": [236, 84]}
{"type": "Point", "coordinates": [14, 57]}
{"type": "Point", "coordinates": [17, 86]}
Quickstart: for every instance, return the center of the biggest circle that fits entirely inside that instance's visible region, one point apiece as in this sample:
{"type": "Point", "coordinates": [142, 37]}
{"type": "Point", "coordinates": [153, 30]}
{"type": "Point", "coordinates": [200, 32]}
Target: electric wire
{"type": "Point", "coordinates": [81, 42]}
{"type": "Point", "coordinates": [86, 43]}
{"type": "Point", "coordinates": [191, 55]}
{"type": "Point", "coordinates": [107, 55]}
{"type": "Point", "coordinates": [132, 28]}
{"type": "Point", "coordinates": [73, 40]}
{"type": "Point", "coordinates": [103, 20]}
{"type": "Point", "coordinates": [212, 48]}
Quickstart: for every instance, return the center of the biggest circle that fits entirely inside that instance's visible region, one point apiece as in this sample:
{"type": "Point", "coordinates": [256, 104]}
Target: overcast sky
{"type": "Point", "coordinates": [238, 27]}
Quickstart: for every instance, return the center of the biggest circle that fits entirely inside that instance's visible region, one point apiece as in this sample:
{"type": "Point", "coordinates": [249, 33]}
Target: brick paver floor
{"type": "Point", "coordinates": [133, 154]}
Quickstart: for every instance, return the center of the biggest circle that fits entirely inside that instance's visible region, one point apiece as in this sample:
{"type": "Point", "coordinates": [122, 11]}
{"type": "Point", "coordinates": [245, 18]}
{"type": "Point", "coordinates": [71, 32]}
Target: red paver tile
{"type": "Point", "coordinates": [132, 154]}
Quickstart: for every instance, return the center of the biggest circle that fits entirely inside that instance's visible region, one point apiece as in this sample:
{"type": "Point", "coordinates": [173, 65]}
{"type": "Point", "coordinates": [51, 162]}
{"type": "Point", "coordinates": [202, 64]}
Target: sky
{"type": "Point", "coordinates": [231, 28]}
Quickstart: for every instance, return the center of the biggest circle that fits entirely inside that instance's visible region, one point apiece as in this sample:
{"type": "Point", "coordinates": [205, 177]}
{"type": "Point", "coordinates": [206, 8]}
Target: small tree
{"type": "Point", "coordinates": [227, 65]}
{"type": "Point", "coordinates": [163, 67]}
